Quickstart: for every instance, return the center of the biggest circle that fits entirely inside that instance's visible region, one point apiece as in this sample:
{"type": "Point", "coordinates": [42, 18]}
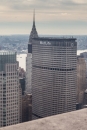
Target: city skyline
{"type": "Point", "coordinates": [58, 18]}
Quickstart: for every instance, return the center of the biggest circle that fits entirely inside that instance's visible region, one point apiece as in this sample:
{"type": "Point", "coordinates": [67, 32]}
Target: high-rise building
{"type": "Point", "coordinates": [33, 34]}
{"type": "Point", "coordinates": [26, 107]}
{"type": "Point", "coordinates": [22, 80]}
{"type": "Point", "coordinates": [81, 80]}
{"type": "Point", "coordinates": [54, 76]}
{"type": "Point", "coordinates": [85, 98]}
{"type": "Point", "coordinates": [22, 85]}
{"type": "Point", "coordinates": [10, 93]}
{"type": "Point", "coordinates": [28, 73]}
{"type": "Point", "coordinates": [84, 55]}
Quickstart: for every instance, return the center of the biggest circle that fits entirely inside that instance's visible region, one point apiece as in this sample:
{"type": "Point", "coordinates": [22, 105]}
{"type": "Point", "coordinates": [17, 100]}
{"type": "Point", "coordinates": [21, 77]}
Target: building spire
{"type": "Point", "coordinates": [34, 18]}
{"type": "Point", "coordinates": [33, 33]}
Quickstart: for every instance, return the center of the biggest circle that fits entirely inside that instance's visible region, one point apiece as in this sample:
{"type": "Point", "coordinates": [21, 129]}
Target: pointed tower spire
{"type": "Point", "coordinates": [33, 33]}
{"type": "Point", "coordinates": [34, 18]}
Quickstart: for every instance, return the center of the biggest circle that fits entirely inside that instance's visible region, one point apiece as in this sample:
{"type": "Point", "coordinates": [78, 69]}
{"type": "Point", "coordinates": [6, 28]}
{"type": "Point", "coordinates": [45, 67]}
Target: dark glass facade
{"type": "Point", "coordinates": [29, 48]}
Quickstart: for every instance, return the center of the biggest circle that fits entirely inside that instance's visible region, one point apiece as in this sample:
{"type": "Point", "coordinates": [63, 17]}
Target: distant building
{"type": "Point", "coordinates": [22, 84]}
{"type": "Point", "coordinates": [85, 98]}
{"type": "Point", "coordinates": [33, 34]}
{"type": "Point", "coordinates": [84, 55]}
{"type": "Point", "coordinates": [54, 76]}
{"type": "Point", "coordinates": [21, 73]}
{"type": "Point", "coordinates": [28, 73]}
{"type": "Point", "coordinates": [81, 80]}
{"type": "Point", "coordinates": [22, 79]}
{"type": "Point", "coordinates": [10, 92]}
{"type": "Point", "coordinates": [20, 103]}
{"type": "Point", "coordinates": [27, 107]}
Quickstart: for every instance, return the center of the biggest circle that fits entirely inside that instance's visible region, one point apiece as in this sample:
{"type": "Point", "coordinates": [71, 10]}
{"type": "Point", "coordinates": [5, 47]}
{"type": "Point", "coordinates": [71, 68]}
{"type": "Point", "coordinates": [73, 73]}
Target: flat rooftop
{"type": "Point", "coordinates": [76, 120]}
{"type": "Point", "coordinates": [55, 38]}
{"type": "Point", "coordinates": [4, 52]}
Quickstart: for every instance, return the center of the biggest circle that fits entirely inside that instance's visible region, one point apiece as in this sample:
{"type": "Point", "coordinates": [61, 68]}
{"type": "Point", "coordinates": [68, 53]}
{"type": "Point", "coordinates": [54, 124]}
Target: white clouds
{"type": "Point", "coordinates": [48, 5]}
{"type": "Point", "coordinates": [21, 10]}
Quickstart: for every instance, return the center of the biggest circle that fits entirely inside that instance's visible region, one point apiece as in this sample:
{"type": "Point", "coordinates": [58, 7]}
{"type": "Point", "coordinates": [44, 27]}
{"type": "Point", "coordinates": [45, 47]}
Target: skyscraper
{"type": "Point", "coordinates": [54, 64]}
{"type": "Point", "coordinates": [81, 80]}
{"type": "Point", "coordinates": [10, 93]}
{"type": "Point", "coordinates": [33, 34]}
{"type": "Point", "coordinates": [84, 55]}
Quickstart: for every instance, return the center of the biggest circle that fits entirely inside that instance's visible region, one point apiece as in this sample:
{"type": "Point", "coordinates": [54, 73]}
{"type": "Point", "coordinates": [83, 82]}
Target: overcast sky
{"type": "Point", "coordinates": [55, 17]}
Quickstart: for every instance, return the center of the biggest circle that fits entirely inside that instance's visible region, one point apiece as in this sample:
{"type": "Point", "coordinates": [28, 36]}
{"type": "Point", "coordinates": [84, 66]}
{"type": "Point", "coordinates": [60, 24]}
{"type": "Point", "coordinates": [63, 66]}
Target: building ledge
{"type": "Point", "coordinates": [76, 120]}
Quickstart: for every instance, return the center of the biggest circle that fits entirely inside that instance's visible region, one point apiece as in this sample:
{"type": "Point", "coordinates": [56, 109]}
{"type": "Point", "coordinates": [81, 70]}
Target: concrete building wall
{"type": "Point", "coordinates": [81, 80]}
{"type": "Point", "coordinates": [28, 73]}
{"type": "Point", "coordinates": [85, 97]}
{"type": "Point", "coordinates": [22, 84]}
{"type": "Point", "coordinates": [9, 91]}
{"type": "Point", "coordinates": [76, 120]}
{"type": "Point", "coordinates": [84, 55]}
{"type": "Point", "coordinates": [26, 107]}
{"type": "Point", "coordinates": [20, 103]}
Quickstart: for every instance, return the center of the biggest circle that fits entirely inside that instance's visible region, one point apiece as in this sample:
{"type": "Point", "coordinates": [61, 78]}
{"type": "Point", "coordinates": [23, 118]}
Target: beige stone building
{"type": "Point", "coordinates": [81, 80]}
{"type": "Point", "coordinates": [10, 93]}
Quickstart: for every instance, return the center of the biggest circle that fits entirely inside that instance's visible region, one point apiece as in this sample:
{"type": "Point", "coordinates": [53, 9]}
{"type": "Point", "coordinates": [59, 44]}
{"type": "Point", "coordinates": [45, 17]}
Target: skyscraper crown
{"type": "Point", "coordinates": [33, 33]}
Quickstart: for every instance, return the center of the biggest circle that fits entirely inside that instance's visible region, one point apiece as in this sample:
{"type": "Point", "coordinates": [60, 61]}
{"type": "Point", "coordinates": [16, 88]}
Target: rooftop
{"type": "Point", "coordinates": [76, 120]}
{"type": "Point", "coordinates": [4, 52]}
{"type": "Point", "coordinates": [55, 38]}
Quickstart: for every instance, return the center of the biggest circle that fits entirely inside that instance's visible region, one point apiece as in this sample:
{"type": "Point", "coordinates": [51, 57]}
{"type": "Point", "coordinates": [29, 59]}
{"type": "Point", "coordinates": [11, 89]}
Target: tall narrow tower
{"type": "Point", "coordinates": [33, 34]}
{"type": "Point", "coordinates": [10, 92]}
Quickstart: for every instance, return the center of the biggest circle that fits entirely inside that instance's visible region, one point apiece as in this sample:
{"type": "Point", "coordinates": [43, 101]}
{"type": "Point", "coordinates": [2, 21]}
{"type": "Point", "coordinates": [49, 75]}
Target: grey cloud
{"type": "Point", "coordinates": [52, 7]}
{"type": "Point", "coordinates": [42, 4]}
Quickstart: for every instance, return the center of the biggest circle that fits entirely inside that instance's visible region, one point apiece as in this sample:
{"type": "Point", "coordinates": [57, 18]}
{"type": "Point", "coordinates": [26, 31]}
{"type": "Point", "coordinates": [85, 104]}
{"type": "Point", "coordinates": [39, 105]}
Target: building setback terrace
{"type": "Point", "coordinates": [76, 120]}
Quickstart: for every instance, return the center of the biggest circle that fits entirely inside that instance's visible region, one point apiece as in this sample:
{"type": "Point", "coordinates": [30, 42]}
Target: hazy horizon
{"type": "Point", "coordinates": [44, 35]}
